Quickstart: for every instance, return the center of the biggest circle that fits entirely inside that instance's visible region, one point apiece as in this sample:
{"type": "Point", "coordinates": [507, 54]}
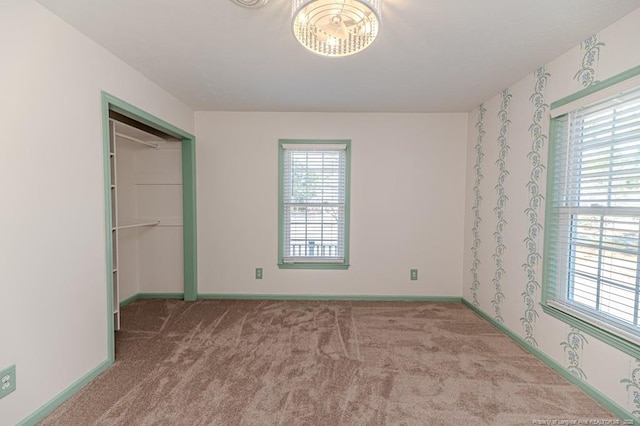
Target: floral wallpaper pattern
{"type": "Point", "coordinates": [573, 347]}
{"type": "Point", "coordinates": [633, 386]}
{"type": "Point", "coordinates": [476, 203]}
{"type": "Point", "coordinates": [586, 75]}
{"type": "Point", "coordinates": [501, 204]}
{"type": "Point", "coordinates": [532, 212]}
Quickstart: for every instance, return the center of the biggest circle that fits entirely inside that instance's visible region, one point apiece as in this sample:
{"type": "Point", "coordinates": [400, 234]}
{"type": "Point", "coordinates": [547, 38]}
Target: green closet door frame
{"type": "Point", "coordinates": [111, 103]}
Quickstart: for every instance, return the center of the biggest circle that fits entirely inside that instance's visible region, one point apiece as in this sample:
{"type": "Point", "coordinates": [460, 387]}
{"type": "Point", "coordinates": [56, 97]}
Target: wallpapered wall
{"type": "Point", "coordinates": [506, 185]}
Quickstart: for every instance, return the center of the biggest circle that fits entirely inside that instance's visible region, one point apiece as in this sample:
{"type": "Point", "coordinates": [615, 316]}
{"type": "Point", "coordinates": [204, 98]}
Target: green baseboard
{"type": "Point", "coordinates": [260, 296]}
{"type": "Point", "coordinates": [381, 298]}
{"type": "Point", "coordinates": [135, 297]}
{"type": "Point", "coordinates": [604, 400]}
{"type": "Point", "coordinates": [48, 408]}
{"type": "Point", "coordinates": [128, 300]}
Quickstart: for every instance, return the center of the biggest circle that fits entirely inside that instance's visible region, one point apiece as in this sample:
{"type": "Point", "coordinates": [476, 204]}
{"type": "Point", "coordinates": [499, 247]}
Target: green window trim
{"type": "Point", "coordinates": [343, 264]}
{"type": "Point", "coordinates": [309, 265]}
{"type": "Point", "coordinates": [614, 340]}
{"type": "Point", "coordinates": [594, 88]}
{"type": "Point", "coordinates": [605, 336]}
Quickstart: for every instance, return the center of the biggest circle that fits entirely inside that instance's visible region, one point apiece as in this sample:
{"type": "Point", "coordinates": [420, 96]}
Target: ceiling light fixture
{"type": "Point", "coordinates": [336, 28]}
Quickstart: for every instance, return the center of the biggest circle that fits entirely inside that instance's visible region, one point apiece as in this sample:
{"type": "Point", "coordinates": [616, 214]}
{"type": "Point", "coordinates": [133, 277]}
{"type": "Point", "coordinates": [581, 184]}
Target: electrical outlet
{"type": "Point", "coordinates": [414, 274]}
{"type": "Point", "coordinates": [7, 381]}
{"type": "Point", "coordinates": [258, 273]}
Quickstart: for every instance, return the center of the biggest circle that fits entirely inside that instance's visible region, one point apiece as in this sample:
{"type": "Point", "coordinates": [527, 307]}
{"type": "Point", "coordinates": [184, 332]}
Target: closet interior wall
{"type": "Point", "coordinates": [149, 214]}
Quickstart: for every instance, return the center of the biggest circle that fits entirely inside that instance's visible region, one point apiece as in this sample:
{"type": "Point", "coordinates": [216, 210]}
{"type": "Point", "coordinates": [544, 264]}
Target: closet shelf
{"type": "Point", "coordinates": [152, 145]}
{"type": "Point", "coordinates": [139, 225]}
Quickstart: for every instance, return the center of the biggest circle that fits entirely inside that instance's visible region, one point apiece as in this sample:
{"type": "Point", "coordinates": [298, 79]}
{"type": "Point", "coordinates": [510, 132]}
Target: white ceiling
{"type": "Point", "coordinates": [431, 55]}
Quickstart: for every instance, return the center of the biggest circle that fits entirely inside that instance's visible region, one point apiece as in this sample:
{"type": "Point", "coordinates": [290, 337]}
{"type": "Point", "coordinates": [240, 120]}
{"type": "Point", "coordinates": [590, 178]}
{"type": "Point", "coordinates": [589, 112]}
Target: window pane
{"type": "Point", "coordinates": [603, 264]}
{"type": "Point", "coordinates": [314, 231]}
{"type": "Point", "coordinates": [618, 302]}
{"type": "Point", "coordinates": [584, 291]}
{"type": "Point", "coordinates": [315, 177]}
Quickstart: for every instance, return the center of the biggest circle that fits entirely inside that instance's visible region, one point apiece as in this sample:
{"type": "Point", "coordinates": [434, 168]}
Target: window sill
{"type": "Point", "coordinates": [342, 266]}
{"type": "Point", "coordinates": [607, 337]}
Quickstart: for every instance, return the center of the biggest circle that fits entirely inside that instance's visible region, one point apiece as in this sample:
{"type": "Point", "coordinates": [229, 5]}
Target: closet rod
{"type": "Point", "coordinates": [153, 145]}
{"type": "Point", "coordinates": [138, 225]}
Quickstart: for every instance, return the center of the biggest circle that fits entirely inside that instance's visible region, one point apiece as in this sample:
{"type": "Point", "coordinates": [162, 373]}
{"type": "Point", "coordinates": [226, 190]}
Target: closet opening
{"type": "Point", "coordinates": [150, 210]}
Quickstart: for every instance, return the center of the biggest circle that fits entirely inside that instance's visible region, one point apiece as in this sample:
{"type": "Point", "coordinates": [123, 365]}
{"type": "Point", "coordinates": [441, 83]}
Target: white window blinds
{"type": "Point", "coordinates": [313, 203]}
{"type": "Point", "coordinates": [594, 222]}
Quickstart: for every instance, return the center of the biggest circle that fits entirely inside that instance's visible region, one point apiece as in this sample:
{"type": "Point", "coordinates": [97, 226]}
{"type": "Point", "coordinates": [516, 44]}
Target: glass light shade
{"type": "Point", "coordinates": [250, 3]}
{"type": "Point", "coordinates": [336, 27]}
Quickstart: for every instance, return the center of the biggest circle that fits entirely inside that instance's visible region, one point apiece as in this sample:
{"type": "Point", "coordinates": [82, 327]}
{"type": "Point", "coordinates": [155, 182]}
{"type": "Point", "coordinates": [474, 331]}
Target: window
{"type": "Point", "coordinates": [314, 204]}
{"type": "Point", "coordinates": [592, 245]}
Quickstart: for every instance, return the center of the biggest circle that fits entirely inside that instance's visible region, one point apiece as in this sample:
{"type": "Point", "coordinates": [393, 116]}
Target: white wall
{"type": "Point", "coordinates": [407, 202]}
{"type": "Point", "coordinates": [611, 52]}
{"type": "Point", "coordinates": [158, 197]}
{"type": "Point", "coordinates": [52, 250]}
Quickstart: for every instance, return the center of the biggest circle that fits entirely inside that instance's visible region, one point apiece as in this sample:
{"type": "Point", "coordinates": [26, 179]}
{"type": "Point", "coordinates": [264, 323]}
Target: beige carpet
{"type": "Point", "coordinates": [225, 362]}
